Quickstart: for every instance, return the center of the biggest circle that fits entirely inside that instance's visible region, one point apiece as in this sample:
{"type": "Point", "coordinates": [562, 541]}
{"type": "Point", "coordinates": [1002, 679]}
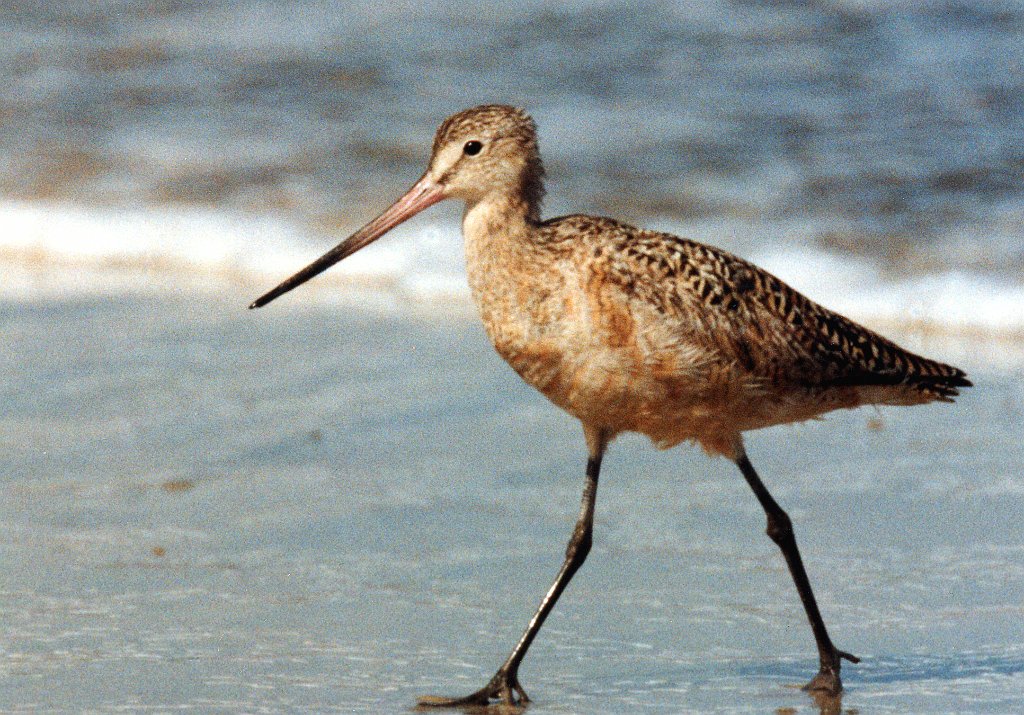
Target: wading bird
{"type": "Point", "coordinates": [630, 330]}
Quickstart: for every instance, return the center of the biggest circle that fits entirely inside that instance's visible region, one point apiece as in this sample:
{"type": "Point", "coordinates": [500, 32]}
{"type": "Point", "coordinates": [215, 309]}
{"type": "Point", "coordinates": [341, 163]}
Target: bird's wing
{"type": "Point", "coordinates": [754, 319]}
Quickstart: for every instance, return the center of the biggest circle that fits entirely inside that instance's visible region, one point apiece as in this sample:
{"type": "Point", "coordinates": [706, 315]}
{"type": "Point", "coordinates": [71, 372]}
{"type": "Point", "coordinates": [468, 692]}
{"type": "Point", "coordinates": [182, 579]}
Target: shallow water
{"type": "Point", "coordinates": [215, 510]}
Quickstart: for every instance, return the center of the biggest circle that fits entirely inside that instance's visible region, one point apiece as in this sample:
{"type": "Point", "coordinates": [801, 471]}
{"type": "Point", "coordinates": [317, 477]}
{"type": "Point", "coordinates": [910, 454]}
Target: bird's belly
{"type": "Point", "coordinates": [667, 397]}
{"type": "Point", "coordinates": [670, 396]}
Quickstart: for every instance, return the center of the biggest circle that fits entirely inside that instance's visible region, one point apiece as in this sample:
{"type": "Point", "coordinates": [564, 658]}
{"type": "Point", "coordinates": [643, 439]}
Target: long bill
{"type": "Point", "coordinates": [423, 194]}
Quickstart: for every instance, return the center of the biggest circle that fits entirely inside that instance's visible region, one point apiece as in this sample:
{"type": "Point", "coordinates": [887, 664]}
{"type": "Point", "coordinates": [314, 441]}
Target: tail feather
{"type": "Point", "coordinates": [943, 385]}
{"type": "Point", "coordinates": [935, 380]}
{"type": "Point", "coordinates": [866, 359]}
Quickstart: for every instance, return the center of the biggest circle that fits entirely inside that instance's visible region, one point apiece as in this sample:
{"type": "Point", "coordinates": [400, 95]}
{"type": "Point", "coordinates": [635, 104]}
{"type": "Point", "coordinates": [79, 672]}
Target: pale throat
{"type": "Point", "coordinates": [499, 237]}
{"type": "Point", "coordinates": [497, 221]}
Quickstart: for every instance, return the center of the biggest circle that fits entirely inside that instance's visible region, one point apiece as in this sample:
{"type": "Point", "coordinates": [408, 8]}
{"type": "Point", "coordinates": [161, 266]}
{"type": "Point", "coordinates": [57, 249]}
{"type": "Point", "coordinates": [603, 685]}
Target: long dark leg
{"type": "Point", "coordinates": [780, 530]}
{"type": "Point", "coordinates": [504, 686]}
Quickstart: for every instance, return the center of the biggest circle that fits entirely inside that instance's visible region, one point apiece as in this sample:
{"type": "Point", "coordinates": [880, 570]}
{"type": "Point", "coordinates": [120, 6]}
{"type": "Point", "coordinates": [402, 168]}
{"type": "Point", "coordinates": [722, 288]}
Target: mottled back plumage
{"type": "Point", "coordinates": [770, 329]}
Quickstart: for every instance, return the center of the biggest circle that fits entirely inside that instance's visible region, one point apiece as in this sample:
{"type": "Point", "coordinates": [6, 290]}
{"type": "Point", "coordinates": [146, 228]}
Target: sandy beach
{"type": "Point", "coordinates": [336, 509]}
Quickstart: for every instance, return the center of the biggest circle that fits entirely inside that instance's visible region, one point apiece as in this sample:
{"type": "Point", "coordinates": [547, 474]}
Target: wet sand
{"type": "Point", "coordinates": [318, 508]}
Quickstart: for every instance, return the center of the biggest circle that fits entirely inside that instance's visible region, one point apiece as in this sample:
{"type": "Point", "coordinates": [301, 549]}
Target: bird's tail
{"type": "Point", "coordinates": [935, 379]}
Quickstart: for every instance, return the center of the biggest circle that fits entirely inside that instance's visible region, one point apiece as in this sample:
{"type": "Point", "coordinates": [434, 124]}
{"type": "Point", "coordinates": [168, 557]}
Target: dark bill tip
{"type": "Point", "coordinates": [346, 248]}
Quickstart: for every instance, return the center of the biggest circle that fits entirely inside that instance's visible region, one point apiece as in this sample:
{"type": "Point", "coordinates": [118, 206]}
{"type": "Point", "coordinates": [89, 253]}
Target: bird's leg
{"type": "Point", "coordinates": [504, 687]}
{"type": "Point", "coordinates": [780, 530]}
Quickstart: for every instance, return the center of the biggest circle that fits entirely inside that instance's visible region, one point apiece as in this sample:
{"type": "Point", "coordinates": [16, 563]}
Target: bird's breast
{"type": "Point", "coordinates": [582, 348]}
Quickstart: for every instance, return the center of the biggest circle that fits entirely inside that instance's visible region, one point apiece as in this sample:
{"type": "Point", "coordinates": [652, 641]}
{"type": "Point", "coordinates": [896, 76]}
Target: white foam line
{"type": "Point", "coordinates": [101, 249]}
{"type": "Point", "coordinates": [861, 289]}
{"type": "Point", "coordinates": [107, 251]}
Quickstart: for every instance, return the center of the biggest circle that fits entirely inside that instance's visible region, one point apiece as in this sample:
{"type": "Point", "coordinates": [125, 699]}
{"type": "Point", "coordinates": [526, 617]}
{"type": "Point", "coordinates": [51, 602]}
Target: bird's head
{"type": "Point", "coordinates": [486, 151]}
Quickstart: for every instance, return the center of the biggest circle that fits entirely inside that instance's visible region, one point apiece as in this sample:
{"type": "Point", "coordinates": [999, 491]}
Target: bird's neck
{"type": "Point", "coordinates": [500, 235]}
{"type": "Point", "coordinates": [500, 216]}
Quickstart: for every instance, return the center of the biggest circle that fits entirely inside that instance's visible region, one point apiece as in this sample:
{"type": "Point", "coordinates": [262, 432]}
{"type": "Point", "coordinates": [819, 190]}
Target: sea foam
{"type": "Point", "coordinates": [49, 251]}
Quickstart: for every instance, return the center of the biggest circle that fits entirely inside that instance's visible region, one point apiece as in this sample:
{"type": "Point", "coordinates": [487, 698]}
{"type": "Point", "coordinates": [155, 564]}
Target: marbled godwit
{"type": "Point", "coordinates": [634, 330]}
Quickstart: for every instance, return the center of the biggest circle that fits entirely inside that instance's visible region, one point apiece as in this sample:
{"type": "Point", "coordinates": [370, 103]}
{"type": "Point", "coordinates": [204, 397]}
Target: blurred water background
{"type": "Point", "coordinates": [872, 153]}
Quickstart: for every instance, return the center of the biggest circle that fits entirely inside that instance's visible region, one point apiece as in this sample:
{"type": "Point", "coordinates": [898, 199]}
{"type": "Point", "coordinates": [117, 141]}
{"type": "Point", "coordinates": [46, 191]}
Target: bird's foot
{"type": "Point", "coordinates": [827, 681]}
{"type": "Point", "coordinates": [503, 694]}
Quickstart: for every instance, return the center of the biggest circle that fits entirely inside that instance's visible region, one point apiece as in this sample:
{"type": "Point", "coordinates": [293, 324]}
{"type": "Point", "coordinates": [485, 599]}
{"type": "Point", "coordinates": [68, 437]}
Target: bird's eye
{"type": "Point", "coordinates": [472, 147]}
